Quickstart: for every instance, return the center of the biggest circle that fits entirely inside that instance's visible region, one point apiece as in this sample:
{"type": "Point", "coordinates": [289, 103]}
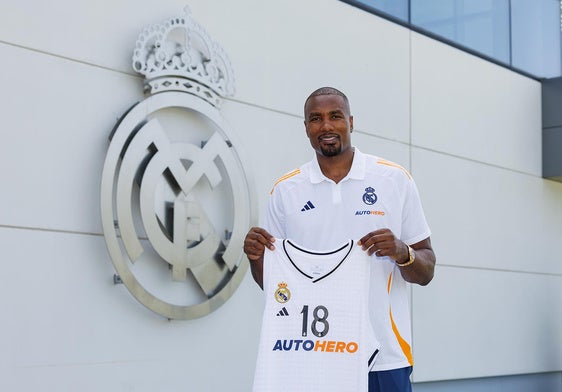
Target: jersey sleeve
{"type": "Point", "coordinates": [414, 224]}
{"type": "Point", "coordinates": [274, 217]}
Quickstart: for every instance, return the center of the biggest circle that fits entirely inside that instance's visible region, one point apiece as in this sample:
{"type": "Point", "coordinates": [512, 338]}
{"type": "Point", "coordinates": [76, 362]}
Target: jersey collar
{"type": "Point", "coordinates": [357, 171]}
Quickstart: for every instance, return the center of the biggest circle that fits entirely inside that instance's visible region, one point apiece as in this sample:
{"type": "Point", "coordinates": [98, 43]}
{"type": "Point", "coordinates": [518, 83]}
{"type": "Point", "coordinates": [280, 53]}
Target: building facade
{"type": "Point", "coordinates": [468, 129]}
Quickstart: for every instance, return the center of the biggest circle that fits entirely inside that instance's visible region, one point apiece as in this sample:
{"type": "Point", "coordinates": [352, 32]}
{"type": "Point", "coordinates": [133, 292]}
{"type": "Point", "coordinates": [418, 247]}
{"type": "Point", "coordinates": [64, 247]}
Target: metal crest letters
{"type": "Point", "coordinates": [175, 199]}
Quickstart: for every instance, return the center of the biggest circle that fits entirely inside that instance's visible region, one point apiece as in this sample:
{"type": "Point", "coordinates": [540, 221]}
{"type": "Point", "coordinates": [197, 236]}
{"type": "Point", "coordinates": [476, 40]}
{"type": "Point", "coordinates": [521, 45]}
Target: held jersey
{"type": "Point", "coordinates": [316, 333]}
{"type": "Point", "coordinates": [376, 193]}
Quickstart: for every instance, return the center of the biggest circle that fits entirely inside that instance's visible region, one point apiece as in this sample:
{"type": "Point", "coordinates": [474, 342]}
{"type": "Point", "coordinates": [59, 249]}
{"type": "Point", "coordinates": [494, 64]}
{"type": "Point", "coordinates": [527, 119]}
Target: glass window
{"type": "Point", "coordinates": [535, 28]}
{"type": "Point", "coordinates": [525, 35]}
{"type": "Point", "coordinates": [481, 25]}
{"type": "Point", "coordinates": [396, 8]}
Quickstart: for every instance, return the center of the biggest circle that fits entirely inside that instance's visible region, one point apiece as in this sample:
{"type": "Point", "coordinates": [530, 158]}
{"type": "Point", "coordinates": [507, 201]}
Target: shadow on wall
{"type": "Point", "coordinates": [544, 382]}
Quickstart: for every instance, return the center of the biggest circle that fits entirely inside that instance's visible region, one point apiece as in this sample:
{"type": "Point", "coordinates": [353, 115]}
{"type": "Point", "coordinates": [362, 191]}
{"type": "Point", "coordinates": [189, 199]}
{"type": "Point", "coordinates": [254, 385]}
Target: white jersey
{"type": "Point", "coordinates": [316, 212]}
{"type": "Point", "coordinates": [316, 333]}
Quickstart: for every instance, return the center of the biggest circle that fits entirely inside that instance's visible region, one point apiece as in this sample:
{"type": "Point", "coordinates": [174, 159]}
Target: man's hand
{"type": "Point", "coordinates": [255, 243]}
{"type": "Point", "coordinates": [383, 242]}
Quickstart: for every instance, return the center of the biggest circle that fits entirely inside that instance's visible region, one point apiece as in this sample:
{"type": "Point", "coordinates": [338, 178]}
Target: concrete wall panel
{"type": "Point", "coordinates": [472, 323]}
{"type": "Point", "coordinates": [487, 217]}
{"type": "Point", "coordinates": [466, 106]}
{"type": "Point", "coordinates": [56, 132]}
{"type": "Point", "coordinates": [68, 327]}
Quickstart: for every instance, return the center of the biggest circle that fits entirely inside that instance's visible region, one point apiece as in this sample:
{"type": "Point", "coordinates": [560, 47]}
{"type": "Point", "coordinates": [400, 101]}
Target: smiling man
{"type": "Point", "coordinates": [344, 194]}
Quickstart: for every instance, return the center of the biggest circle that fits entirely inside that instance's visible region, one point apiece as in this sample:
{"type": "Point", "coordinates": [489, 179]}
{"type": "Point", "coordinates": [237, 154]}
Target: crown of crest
{"type": "Point", "coordinates": [282, 285]}
{"type": "Point", "coordinates": [179, 55]}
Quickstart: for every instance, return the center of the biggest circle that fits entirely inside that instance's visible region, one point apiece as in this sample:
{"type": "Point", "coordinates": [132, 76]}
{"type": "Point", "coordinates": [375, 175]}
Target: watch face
{"type": "Point", "coordinates": [176, 204]}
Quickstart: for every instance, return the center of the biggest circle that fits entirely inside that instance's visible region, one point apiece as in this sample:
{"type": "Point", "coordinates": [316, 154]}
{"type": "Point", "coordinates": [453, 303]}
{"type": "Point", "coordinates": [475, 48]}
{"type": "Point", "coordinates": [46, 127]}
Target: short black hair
{"type": "Point", "coordinates": [328, 91]}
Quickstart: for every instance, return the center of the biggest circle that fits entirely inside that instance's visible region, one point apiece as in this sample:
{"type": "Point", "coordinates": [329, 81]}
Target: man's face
{"type": "Point", "coordinates": [328, 124]}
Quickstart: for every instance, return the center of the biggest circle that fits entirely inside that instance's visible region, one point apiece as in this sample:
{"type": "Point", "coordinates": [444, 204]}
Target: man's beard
{"type": "Point", "coordinates": [331, 151]}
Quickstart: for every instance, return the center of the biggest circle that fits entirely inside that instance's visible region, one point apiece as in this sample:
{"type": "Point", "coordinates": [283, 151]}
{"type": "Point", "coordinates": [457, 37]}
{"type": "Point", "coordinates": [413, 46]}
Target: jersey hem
{"type": "Point", "coordinates": [390, 366]}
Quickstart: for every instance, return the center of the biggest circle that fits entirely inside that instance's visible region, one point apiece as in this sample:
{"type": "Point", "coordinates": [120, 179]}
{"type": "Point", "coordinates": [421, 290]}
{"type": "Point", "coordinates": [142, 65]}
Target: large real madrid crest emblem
{"type": "Point", "coordinates": [175, 198]}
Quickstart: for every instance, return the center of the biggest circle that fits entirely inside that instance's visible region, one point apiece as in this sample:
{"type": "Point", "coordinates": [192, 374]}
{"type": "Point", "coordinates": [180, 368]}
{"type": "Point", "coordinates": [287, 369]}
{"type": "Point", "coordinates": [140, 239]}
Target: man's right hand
{"type": "Point", "coordinates": [254, 246]}
{"type": "Point", "coordinates": [255, 242]}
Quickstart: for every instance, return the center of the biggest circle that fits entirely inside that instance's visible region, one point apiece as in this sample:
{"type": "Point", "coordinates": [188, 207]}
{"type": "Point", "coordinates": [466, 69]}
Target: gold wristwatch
{"type": "Point", "coordinates": [411, 255]}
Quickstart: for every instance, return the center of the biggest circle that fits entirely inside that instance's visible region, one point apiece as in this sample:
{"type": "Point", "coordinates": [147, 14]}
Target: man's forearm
{"type": "Point", "coordinates": [422, 269]}
{"type": "Point", "coordinates": [256, 266]}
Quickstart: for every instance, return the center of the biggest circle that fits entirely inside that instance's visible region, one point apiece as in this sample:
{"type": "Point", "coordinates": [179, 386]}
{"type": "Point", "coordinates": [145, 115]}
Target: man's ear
{"type": "Point", "coordinates": [350, 124]}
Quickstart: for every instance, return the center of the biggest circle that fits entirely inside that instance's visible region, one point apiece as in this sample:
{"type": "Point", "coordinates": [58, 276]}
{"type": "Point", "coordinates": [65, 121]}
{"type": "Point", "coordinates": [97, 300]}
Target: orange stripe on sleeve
{"type": "Point", "coordinates": [285, 177]}
{"type": "Point", "coordinates": [392, 164]}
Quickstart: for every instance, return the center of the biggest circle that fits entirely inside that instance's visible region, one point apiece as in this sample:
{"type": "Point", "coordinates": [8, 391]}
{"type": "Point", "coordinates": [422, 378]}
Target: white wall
{"type": "Point", "coordinates": [495, 305]}
{"type": "Point", "coordinates": [468, 130]}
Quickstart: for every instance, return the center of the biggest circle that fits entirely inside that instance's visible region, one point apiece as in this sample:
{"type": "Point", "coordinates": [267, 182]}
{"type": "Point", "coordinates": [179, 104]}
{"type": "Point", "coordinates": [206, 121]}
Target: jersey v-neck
{"type": "Point", "coordinates": [307, 255]}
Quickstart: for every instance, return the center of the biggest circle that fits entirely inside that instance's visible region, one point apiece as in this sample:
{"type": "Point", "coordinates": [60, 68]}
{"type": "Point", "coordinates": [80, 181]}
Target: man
{"type": "Point", "coordinates": [351, 195]}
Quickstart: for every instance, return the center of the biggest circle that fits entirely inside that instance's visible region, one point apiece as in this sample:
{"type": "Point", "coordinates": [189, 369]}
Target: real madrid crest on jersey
{"type": "Point", "coordinates": [282, 294]}
{"type": "Point", "coordinates": [369, 197]}
{"type": "Point", "coordinates": [175, 198]}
